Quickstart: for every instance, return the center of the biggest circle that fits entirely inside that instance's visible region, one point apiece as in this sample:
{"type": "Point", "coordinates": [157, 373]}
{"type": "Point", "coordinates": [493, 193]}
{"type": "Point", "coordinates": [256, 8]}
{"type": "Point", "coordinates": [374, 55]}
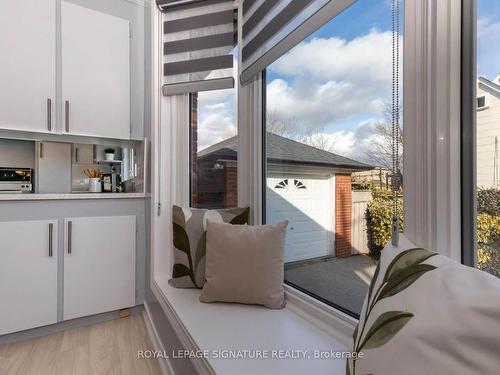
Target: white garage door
{"type": "Point", "coordinates": [307, 203]}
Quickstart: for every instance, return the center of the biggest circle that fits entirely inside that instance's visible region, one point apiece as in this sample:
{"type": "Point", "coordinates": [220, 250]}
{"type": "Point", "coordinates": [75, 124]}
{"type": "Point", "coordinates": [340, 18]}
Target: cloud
{"type": "Point", "coordinates": [355, 144]}
{"type": "Point", "coordinates": [325, 80]}
{"type": "Point", "coordinates": [216, 117]}
{"type": "Point", "coordinates": [364, 58]}
{"type": "Point", "coordinates": [319, 105]}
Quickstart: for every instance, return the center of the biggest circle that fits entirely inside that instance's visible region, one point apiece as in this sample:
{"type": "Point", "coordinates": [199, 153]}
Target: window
{"type": "Point", "coordinates": [213, 149]}
{"type": "Point", "coordinates": [482, 102]}
{"type": "Point", "coordinates": [487, 137]}
{"type": "Point", "coordinates": [328, 128]}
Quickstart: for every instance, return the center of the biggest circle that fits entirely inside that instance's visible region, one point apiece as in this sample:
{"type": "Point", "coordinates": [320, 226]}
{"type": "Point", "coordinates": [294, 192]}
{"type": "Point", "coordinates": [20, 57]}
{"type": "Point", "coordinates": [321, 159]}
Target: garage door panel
{"type": "Point", "coordinates": [305, 227]}
{"type": "Point", "coordinates": [309, 211]}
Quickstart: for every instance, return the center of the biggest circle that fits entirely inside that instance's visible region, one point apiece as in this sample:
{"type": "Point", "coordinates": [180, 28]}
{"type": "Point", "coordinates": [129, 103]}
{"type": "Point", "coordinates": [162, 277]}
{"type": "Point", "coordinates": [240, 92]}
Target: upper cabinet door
{"type": "Point", "coordinates": [95, 73]}
{"type": "Point", "coordinates": [27, 65]}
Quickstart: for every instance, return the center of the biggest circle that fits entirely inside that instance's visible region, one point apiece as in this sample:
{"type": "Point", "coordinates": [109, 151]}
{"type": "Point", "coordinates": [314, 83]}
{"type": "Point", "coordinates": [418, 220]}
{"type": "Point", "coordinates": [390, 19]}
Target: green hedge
{"type": "Point", "coordinates": [488, 248]}
{"type": "Point", "coordinates": [488, 201]}
{"type": "Point", "coordinates": [362, 186]}
{"type": "Point", "coordinates": [379, 218]}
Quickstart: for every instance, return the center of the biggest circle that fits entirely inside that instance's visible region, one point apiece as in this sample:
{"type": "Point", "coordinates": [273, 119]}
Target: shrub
{"type": "Point", "coordinates": [361, 186]}
{"type": "Point", "coordinates": [488, 228]}
{"type": "Point", "coordinates": [488, 248]}
{"type": "Point", "coordinates": [379, 217]}
{"type": "Point", "coordinates": [488, 201]}
{"type": "Point", "coordinates": [384, 194]}
{"type": "Point", "coordinates": [379, 220]}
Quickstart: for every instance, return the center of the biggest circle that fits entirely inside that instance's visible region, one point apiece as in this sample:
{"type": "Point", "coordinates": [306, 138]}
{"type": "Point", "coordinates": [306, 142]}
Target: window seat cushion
{"type": "Point", "coordinates": [230, 329]}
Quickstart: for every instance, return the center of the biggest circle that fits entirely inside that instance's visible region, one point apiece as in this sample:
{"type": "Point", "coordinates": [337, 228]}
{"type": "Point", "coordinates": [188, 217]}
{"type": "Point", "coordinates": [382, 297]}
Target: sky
{"type": "Point", "coordinates": [337, 82]}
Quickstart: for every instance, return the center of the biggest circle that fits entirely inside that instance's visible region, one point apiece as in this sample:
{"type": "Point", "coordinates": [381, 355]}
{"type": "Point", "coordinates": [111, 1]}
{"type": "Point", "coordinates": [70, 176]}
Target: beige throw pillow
{"type": "Point", "coordinates": [244, 264]}
{"type": "Point", "coordinates": [189, 230]}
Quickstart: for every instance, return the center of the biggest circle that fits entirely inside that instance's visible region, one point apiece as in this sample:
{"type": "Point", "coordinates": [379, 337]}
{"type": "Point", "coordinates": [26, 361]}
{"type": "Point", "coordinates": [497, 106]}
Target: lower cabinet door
{"type": "Point", "coordinates": [99, 265]}
{"type": "Point", "coordinates": [28, 275]}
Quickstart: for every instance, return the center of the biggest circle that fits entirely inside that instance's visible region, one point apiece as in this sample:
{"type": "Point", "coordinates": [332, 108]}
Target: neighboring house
{"type": "Point", "coordinates": [307, 186]}
{"type": "Point", "coordinates": [488, 132]}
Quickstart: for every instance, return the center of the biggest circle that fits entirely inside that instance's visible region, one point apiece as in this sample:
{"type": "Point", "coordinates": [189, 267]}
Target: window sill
{"type": "Point", "coordinates": [304, 325]}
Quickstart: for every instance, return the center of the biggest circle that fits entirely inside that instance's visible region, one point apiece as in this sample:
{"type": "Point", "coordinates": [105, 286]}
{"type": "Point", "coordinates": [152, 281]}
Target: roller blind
{"type": "Point", "coordinates": [198, 39]}
{"type": "Point", "coordinates": [272, 27]}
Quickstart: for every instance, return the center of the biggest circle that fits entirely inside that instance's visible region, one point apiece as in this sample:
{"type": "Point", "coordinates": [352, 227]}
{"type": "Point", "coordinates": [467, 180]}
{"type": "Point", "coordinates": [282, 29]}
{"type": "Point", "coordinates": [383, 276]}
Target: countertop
{"type": "Point", "coordinates": [69, 196]}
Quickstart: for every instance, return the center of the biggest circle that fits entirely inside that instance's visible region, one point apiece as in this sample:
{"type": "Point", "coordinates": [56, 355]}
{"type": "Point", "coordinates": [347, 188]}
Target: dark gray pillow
{"type": "Point", "coordinates": [189, 233]}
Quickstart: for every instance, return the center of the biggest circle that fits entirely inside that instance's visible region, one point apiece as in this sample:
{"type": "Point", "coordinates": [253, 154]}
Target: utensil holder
{"type": "Point", "coordinates": [95, 185]}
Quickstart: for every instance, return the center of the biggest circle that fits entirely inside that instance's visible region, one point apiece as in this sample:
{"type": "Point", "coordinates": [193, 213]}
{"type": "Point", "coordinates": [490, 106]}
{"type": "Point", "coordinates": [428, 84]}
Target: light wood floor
{"type": "Point", "coordinates": [108, 348]}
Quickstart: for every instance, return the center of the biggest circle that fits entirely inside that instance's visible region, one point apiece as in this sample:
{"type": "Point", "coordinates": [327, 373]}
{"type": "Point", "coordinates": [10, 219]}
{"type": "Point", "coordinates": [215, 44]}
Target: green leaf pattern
{"type": "Point", "coordinates": [190, 229]}
{"type": "Point", "coordinates": [385, 328]}
{"type": "Point", "coordinates": [404, 270]}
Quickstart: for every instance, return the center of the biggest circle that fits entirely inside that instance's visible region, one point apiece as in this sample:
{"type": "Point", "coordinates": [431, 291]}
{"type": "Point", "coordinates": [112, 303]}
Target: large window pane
{"type": "Point", "coordinates": [214, 151]}
{"type": "Point", "coordinates": [488, 136]}
{"type": "Point", "coordinates": [329, 150]}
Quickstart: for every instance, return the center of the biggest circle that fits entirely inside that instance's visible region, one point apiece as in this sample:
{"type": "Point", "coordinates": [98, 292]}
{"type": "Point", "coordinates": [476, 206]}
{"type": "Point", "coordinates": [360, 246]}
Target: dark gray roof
{"type": "Point", "coordinates": [286, 150]}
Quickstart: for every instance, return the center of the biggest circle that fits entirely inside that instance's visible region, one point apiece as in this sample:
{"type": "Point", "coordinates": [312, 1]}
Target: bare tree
{"type": "Point", "coordinates": [285, 127]}
{"type": "Point", "coordinates": [319, 139]}
{"type": "Point", "coordinates": [292, 129]}
{"type": "Point", "coordinates": [380, 152]}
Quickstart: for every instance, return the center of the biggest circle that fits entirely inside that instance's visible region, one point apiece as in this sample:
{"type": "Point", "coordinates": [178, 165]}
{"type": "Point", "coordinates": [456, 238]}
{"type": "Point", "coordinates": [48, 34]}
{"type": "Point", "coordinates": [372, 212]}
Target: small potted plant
{"type": "Point", "coordinates": [109, 153]}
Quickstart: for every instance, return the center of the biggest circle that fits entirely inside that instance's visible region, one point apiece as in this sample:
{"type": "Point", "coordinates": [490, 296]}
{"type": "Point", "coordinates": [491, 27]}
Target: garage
{"type": "Point", "coordinates": [308, 205]}
{"type": "Point", "coordinates": [309, 187]}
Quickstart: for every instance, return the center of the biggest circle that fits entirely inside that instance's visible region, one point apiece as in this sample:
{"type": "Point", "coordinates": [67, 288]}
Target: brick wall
{"type": "Point", "coordinates": [343, 206]}
{"type": "Point", "coordinates": [231, 186]}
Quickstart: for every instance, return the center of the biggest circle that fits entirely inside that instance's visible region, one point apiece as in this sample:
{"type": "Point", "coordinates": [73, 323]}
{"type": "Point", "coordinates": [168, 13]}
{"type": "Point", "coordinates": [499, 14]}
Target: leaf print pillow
{"type": "Point", "coordinates": [189, 235]}
{"type": "Point", "coordinates": [427, 314]}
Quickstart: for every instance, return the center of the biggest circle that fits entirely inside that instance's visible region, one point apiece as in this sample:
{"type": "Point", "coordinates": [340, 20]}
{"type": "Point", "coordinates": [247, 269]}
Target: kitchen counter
{"type": "Point", "coordinates": [71, 196]}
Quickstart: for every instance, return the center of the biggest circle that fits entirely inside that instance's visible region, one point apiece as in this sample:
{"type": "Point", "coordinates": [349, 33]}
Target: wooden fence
{"type": "Point", "coordinates": [359, 227]}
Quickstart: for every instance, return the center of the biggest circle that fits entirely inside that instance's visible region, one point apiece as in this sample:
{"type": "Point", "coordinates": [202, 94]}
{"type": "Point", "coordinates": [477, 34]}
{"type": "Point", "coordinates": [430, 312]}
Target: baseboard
{"type": "Point", "coordinates": [65, 325]}
{"type": "Point", "coordinates": [165, 364]}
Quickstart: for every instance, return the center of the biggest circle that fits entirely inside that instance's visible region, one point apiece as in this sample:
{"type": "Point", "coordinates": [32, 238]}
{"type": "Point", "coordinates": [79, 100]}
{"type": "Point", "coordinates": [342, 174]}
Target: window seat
{"type": "Point", "coordinates": [230, 329]}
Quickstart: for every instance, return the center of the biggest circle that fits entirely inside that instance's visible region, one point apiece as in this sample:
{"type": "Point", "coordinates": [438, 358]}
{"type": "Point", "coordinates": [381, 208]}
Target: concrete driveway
{"type": "Point", "coordinates": [343, 281]}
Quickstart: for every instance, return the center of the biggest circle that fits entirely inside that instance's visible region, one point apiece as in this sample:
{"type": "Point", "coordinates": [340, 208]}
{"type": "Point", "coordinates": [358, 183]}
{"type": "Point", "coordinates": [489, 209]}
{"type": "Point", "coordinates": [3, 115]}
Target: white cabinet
{"type": "Point", "coordinates": [95, 73]}
{"type": "Point", "coordinates": [53, 167]}
{"type": "Point", "coordinates": [99, 265]}
{"type": "Point", "coordinates": [27, 65]}
{"type": "Point", "coordinates": [94, 62]}
{"type": "Point", "coordinates": [28, 274]}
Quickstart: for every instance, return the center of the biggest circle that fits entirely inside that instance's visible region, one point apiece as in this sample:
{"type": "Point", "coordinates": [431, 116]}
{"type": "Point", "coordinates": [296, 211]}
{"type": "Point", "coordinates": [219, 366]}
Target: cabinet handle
{"type": "Point", "coordinates": [66, 115]}
{"type": "Point", "coordinates": [76, 154]}
{"type": "Point", "coordinates": [94, 154]}
{"type": "Point", "coordinates": [41, 150]}
{"type": "Point", "coordinates": [70, 235]}
{"type": "Point", "coordinates": [49, 114]}
{"type": "Point", "coordinates": [51, 228]}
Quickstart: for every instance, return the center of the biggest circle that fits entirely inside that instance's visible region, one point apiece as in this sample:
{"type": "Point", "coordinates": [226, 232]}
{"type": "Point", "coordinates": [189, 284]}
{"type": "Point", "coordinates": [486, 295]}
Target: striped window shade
{"type": "Point", "coordinates": [272, 27]}
{"type": "Point", "coordinates": [198, 39]}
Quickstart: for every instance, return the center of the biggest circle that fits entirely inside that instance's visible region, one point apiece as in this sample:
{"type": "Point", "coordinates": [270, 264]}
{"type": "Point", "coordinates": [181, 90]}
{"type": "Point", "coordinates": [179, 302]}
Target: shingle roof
{"type": "Point", "coordinates": [286, 150]}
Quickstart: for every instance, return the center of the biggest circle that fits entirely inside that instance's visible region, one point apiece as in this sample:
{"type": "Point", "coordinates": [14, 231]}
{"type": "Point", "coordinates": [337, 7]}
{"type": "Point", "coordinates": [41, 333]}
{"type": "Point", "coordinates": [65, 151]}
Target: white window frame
{"type": "Point", "coordinates": [432, 118]}
{"type": "Point", "coordinates": [431, 75]}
